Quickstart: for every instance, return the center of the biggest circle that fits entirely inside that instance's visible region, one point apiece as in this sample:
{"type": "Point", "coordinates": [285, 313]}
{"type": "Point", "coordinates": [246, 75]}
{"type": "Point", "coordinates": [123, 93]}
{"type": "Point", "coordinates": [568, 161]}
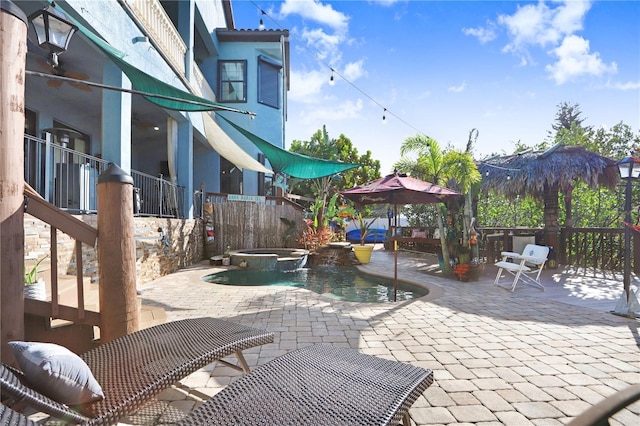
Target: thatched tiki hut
{"type": "Point", "coordinates": [542, 174]}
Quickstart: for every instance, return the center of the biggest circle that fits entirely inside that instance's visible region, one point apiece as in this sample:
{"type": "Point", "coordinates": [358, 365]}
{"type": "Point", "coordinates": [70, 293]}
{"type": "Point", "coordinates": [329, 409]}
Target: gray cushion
{"type": "Point", "coordinates": [56, 372]}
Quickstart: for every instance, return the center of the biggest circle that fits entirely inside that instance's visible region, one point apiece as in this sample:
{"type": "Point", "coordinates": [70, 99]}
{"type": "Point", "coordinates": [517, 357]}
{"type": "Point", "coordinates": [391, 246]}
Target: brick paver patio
{"type": "Point", "coordinates": [498, 357]}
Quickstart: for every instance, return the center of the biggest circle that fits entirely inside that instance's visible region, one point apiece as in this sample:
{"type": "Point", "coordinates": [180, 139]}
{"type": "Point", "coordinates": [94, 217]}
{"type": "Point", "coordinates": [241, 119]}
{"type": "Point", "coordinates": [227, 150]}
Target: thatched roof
{"type": "Point", "coordinates": [529, 172]}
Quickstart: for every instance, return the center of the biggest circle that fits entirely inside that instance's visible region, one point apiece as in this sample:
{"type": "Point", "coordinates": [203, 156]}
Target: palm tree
{"type": "Point", "coordinates": [463, 170]}
{"type": "Point", "coordinates": [429, 165]}
{"type": "Point", "coordinates": [444, 168]}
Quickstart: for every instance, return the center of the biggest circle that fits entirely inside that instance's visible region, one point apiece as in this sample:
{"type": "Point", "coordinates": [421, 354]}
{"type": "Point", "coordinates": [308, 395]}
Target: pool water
{"type": "Point", "coordinates": [340, 283]}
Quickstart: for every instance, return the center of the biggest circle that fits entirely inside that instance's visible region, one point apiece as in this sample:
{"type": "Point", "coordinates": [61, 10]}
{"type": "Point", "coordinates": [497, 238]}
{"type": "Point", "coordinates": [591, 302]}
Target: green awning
{"type": "Point", "coordinates": [143, 82]}
{"type": "Point", "coordinates": [292, 163]}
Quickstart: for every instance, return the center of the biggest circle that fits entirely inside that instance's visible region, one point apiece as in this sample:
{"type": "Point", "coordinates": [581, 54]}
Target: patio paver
{"type": "Point", "coordinates": [528, 357]}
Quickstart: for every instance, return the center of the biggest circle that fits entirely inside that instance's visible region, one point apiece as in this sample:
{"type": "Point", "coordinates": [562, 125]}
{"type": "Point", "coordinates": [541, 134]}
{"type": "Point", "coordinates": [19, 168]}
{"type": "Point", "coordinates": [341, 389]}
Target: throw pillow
{"type": "Point", "coordinates": [56, 372]}
{"type": "Point", "coordinates": [418, 234]}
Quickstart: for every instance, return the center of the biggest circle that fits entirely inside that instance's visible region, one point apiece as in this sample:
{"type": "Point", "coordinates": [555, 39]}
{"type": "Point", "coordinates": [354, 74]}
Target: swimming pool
{"type": "Point", "coordinates": [340, 283]}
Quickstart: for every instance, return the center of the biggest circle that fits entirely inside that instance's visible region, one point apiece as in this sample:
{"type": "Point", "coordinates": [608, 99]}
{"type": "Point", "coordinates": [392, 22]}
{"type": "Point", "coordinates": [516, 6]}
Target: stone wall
{"type": "Point", "coordinates": [162, 246]}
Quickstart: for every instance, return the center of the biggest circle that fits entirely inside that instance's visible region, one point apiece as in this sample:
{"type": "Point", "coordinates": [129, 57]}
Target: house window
{"type": "Point", "coordinates": [29, 122]}
{"type": "Point", "coordinates": [232, 81]}
{"type": "Point", "coordinates": [268, 81]}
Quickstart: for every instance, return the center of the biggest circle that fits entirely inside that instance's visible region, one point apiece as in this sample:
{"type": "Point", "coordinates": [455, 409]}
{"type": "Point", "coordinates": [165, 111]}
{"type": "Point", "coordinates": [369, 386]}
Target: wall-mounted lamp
{"type": "Point", "coordinates": [63, 135]}
{"type": "Point", "coordinates": [54, 31]}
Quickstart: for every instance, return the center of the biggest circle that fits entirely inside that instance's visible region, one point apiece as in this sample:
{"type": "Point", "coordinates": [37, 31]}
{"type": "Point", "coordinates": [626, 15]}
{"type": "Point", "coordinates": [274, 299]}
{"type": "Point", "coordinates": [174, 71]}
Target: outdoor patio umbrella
{"type": "Point", "coordinates": [398, 189]}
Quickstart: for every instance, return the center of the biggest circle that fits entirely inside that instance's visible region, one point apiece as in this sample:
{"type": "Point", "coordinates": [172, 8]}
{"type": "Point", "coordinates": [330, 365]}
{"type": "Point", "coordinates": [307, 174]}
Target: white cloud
{"type": "Point", "coordinates": [629, 85]}
{"type": "Point", "coordinates": [324, 31]}
{"type": "Point", "coordinates": [483, 34]}
{"type": "Point", "coordinates": [458, 89]}
{"type": "Point", "coordinates": [325, 45]}
{"type": "Point", "coordinates": [575, 60]}
{"type": "Point", "coordinates": [354, 70]}
{"type": "Point", "coordinates": [306, 87]}
{"type": "Point", "coordinates": [318, 116]}
{"type": "Point", "coordinates": [315, 11]}
{"type": "Point", "coordinates": [541, 25]}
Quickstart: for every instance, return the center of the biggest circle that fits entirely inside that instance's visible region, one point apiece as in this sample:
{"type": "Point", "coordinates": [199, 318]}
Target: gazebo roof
{"type": "Point", "coordinates": [528, 173]}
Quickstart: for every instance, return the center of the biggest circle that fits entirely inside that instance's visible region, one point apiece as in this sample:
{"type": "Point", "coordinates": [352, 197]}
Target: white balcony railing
{"type": "Point", "coordinates": [161, 30]}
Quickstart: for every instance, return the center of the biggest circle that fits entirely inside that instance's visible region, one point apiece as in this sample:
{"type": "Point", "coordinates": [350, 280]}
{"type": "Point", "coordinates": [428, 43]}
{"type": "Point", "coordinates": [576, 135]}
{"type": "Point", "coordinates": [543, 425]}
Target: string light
{"type": "Point", "coordinates": [384, 116]}
{"type": "Point", "coordinates": [336, 73]}
{"type": "Point", "coordinates": [261, 26]}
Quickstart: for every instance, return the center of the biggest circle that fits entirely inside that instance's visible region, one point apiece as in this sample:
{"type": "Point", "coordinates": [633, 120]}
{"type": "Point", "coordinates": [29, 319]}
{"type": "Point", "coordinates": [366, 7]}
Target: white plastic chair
{"type": "Point", "coordinates": [525, 267]}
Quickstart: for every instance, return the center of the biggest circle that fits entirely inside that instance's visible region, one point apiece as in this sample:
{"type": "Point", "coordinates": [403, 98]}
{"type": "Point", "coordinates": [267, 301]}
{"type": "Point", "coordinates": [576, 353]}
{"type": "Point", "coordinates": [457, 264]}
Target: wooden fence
{"type": "Point", "coordinates": [243, 225]}
{"type": "Point", "coordinates": [599, 248]}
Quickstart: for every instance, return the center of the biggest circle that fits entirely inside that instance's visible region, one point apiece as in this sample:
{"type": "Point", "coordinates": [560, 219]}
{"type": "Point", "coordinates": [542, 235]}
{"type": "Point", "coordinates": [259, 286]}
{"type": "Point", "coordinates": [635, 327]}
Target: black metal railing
{"type": "Point", "coordinates": [155, 196]}
{"type": "Point", "coordinates": [68, 179]}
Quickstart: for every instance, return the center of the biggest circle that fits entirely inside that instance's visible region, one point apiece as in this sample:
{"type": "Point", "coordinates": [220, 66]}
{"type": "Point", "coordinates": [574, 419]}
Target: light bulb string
{"type": "Point", "coordinates": [484, 163]}
{"type": "Point", "coordinates": [334, 71]}
{"type": "Point", "coordinates": [391, 113]}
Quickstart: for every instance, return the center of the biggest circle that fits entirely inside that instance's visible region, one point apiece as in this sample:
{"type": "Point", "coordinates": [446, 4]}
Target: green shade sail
{"type": "Point", "coordinates": [292, 163]}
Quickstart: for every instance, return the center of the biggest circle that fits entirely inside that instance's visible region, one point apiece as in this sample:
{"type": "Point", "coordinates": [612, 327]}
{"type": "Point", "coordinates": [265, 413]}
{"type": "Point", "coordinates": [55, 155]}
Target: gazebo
{"type": "Point", "coordinates": [543, 174]}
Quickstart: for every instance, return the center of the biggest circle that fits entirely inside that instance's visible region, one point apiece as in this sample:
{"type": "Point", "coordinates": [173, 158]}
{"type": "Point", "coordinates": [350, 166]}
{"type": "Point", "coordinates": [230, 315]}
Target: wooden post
{"type": "Point", "coordinates": [636, 252]}
{"type": "Point", "coordinates": [119, 310]}
{"type": "Point", "coordinates": [13, 51]}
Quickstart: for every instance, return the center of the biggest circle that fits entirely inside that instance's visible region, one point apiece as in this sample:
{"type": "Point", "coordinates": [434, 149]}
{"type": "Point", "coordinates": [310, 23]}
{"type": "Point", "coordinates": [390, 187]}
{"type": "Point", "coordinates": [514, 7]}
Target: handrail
{"type": "Point", "coordinates": [68, 179]}
{"type": "Point", "coordinates": [37, 207]}
{"type": "Point", "coordinates": [56, 218]}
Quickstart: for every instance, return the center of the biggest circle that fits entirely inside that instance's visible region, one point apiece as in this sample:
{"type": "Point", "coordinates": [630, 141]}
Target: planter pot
{"type": "Point", "coordinates": [363, 253]}
{"type": "Point", "coordinates": [36, 291]}
{"type": "Point", "coordinates": [471, 273]}
{"type": "Point", "coordinates": [226, 261]}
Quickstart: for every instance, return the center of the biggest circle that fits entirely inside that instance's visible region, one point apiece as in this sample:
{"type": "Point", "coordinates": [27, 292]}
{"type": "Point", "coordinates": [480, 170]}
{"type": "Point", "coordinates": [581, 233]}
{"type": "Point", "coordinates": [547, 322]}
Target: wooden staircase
{"type": "Point", "coordinates": [71, 311]}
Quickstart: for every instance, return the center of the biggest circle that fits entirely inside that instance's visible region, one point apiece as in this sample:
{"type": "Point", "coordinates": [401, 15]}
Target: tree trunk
{"type": "Point", "coordinates": [443, 242]}
{"type": "Point", "coordinates": [551, 215]}
{"type": "Point", "coordinates": [567, 207]}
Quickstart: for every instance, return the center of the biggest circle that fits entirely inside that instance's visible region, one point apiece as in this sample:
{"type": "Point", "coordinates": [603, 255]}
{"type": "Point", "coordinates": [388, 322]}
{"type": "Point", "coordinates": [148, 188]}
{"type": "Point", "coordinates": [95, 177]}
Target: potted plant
{"type": "Point", "coordinates": [34, 286]}
{"type": "Point", "coordinates": [226, 257]}
{"type": "Point", "coordinates": [363, 252]}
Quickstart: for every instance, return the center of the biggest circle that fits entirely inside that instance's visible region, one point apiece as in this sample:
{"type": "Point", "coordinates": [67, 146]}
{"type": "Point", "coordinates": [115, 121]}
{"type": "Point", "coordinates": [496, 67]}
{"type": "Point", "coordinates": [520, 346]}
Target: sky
{"type": "Point", "coordinates": [444, 68]}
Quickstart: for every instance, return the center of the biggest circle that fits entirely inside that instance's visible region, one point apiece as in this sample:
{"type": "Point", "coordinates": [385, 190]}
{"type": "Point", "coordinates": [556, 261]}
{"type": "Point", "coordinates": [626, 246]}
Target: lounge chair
{"type": "Point", "coordinates": [13, 418]}
{"type": "Point", "coordinates": [521, 265]}
{"type": "Point", "coordinates": [317, 385]}
{"type": "Point", "coordinates": [133, 369]}
{"type": "Point", "coordinates": [600, 413]}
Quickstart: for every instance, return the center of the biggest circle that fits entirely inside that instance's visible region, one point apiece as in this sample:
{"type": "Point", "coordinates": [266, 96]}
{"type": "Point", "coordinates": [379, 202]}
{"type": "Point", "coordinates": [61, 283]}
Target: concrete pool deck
{"type": "Point", "coordinates": [522, 358]}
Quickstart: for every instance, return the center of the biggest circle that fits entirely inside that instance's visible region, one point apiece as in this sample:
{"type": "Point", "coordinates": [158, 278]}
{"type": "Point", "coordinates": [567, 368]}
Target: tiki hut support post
{"type": "Point", "coordinates": [13, 51]}
{"type": "Point", "coordinates": [551, 215]}
{"type": "Point", "coordinates": [119, 310]}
